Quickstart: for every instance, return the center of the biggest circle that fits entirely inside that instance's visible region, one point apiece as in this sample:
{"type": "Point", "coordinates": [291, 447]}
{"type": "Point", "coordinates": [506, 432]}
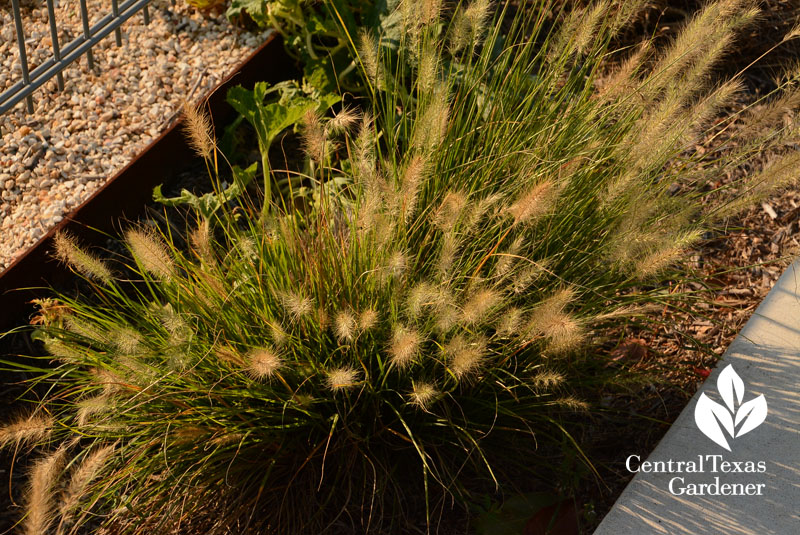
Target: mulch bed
{"type": "Point", "coordinates": [737, 265]}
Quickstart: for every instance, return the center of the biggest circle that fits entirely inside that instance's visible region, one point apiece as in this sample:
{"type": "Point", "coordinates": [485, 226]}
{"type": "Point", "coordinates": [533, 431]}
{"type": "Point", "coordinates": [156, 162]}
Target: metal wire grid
{"type": "Point", "coordinates": [62, 57]}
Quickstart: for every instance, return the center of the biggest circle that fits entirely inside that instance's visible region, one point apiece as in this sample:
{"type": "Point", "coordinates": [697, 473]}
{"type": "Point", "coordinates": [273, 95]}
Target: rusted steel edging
{"type": "Point", "coordinates": [127, 193]}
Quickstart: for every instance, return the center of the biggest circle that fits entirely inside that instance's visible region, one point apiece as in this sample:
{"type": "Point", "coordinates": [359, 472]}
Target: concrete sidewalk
{"type": "Point", "coordinates": [766, 356]}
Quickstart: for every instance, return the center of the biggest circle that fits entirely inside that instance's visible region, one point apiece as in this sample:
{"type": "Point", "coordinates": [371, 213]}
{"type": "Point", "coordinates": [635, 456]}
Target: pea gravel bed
{"type": "Point", "coordinates": [75, 140]}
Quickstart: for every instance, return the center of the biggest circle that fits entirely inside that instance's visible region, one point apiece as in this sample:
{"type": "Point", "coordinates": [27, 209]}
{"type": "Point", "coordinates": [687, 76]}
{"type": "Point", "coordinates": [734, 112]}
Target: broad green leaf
{"type": "Point", "coordinates": [209, 203]}
{"type": "Point", "coordinates": [255, 8]}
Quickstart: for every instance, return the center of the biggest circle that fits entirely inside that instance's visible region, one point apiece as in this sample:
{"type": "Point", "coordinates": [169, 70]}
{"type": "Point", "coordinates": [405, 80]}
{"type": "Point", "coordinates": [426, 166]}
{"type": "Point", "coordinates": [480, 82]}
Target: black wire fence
{"type": "Point", "coordinates": [63, 56]}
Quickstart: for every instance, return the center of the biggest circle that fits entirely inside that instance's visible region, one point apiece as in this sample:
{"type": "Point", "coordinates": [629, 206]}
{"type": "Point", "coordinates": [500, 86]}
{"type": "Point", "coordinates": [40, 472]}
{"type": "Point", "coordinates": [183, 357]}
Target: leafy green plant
{"type": "Point", "coordinates": [420, 334]}
{"type": "Point", "coordinates": [314, 34]}
{"type": "Point", "coordinates": [270, 111]}
{"type": "Point", "coordinates": [269, 119]}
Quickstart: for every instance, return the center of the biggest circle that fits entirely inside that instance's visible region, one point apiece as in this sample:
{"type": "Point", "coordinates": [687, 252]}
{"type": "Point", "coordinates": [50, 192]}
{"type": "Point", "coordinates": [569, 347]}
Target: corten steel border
{"type": "Point", "coordinates": [129, 191]}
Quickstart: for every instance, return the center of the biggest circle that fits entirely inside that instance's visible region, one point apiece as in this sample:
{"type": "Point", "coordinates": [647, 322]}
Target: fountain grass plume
{"type": "Point", "coordinates": [68, 251]}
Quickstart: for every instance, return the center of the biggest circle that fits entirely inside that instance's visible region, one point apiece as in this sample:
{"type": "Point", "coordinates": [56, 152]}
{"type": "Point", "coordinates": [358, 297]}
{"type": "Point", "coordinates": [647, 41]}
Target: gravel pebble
{"type": "Point", "coordinates": [54, 159]}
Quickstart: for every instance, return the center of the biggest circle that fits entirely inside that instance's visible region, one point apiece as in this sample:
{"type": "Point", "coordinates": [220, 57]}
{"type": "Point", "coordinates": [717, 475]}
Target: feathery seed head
{"type": "Point", "coordinates": [370, 209]}
{"type": "Point", "coordinates": [110, 381]}
{"type": "Point", "coordinates": [465, 356]}
{"type": "Point", "coordinates": [343, 121]}
{"type": "Point", "coordinates": [226, 438]}
{"type": "Point", "coordinates": [550, 320]}
{"type": "Point", "coordinates": [152, 253]}
{"type": "Point", "coordinates": [296, 305]}
{"type": "Point", "coordinates": [410, 185]}
{"type": "Point", "coordinates": [459, 36]}
{"type": "Point", "coordinates": [482, 207]}
{"type": "Point", "coordinates": [429, 10]}
{"type": "Point", "coordinates": [197, 126]}
{"type": "Point", "coordinates": [422, 394]}
{"type": "Point", "coordinates": [398, 264]}
{"type": "Point", "coordinates": [422, 296]}
{"type": "Point", "coordinates": [779, 172]}
{"type": "Point", "coordinates": [82, 477]}
{"type": "Point", "coordinates": [87, 329]}
{"type": "Point", "coordinates": [137, 372]}
{"type": "Point", "coordinates": [585, 31]}
{"type": "Point", "coordinates": [368, 51]}
{"type": "Point", "coordinates": [126, 339]}
{"type": "Point", "coordinates": [558, 300]}
{"type": "Point", "coordinates": [64, 351]}
{"type": "Point", "coordinates": [277, 334]}
{"type": "Point", "coordinates": [39, 496]}
{"type": "Point", "coordinates": [178, 358]}
{"type": "Point", "coordinates": [450, 210]}
{"type": "Point", "coordinates": [479, 304]}
{"type": "Point", "coordinates": [622, 81]}
{"type": "Point", "coordinates": [793, 33]}
{"type": "Point", "coordinates": [702, 112]}
{"type": "Point", "coordinates": [342, 378]}
{"type": "Point", "coordinates": [526, 277]}
{"type": "Point", "coordinates": [428, 71]}
{"type": "Point", "coordinates": [364, 154]}
{"type": "Point", "coordinates": [201, 241]}
{"type": "Point", "coordinates": [546, 379]}
{"type": "Point", "coordinates": [625, 12]}
{"type": "Point", "coordinates": [430, 128]}
{"type": "Point", "coordinates": [315, 139]}
{"type": "Point", "coordinates": [30, 430]}
{"type": "Point", "coordinates": [712, 24]}
{"type": "Point", "coordinates": [447, 317]}
{"type": "Point", "coordinates": [509, 322]}
{"type": "Point", "coordinates": [345, 326]}
{"type": "Point", "coordinates": [189, 434]}
{"type": "Point", "coordinates": [367, 319]}
{"type": "Point", "coordinates": [404, 347]}
{"type": "Point", "coordinates": [562, 46]}
{"type": "Point", "coordinates": [658, 259]}
{"type": "Point", "coordinates": [418, 13]}
{"type": "Point", "coordinates": [91, 406]}
{"type": "Point", "coordinates": [477, 13]}
{"type": "Point", "coordinates": [572, 403]}
{"type": "Point", "coordinates": [468, 25]}
{"type": "Point", "coordinates": [506, 261]}
{"type": "Point", "coordinates": [176, 325]}
{"type": "Point", "coordinates": [228, 354]}
{"type": "Point", "coordinates": [561, 329]}
{"type": "Point", "coordinates": [248, 248]}
{"type": "Point", "coordinates": [534, 203]}
{"type": "Point", "coordinates": [263, 363]}
{"type": "Point", "coordinates": [447, 254]}
{"type": "Point", "coordinates": [68, 251]}
{"type": "Point", "coordinates": [757, 118]}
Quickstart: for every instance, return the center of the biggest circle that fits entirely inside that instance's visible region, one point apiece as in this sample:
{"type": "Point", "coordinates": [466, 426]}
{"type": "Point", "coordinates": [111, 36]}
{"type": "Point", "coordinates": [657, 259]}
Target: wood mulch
{"type": "Point", "coordinates": [736, 267]}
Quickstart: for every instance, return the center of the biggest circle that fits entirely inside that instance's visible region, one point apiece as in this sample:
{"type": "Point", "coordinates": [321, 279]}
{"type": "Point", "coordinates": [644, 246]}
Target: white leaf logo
{"type": "Point", "coordinates": [752, 413]}
{"type": "Point", "coordinates": [712, 417]}
{"type": "Point", "coordinates": [729, 382]}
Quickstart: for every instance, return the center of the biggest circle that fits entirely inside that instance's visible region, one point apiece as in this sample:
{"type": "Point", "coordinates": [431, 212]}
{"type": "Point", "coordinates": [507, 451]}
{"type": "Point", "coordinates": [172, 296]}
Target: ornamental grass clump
{"type": "Point", "coordinates": [420, 333]}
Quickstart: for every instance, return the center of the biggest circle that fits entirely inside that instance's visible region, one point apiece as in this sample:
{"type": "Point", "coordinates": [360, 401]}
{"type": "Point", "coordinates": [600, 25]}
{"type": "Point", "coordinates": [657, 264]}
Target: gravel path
{"type": "Point", "coordinates": [54, 159]}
